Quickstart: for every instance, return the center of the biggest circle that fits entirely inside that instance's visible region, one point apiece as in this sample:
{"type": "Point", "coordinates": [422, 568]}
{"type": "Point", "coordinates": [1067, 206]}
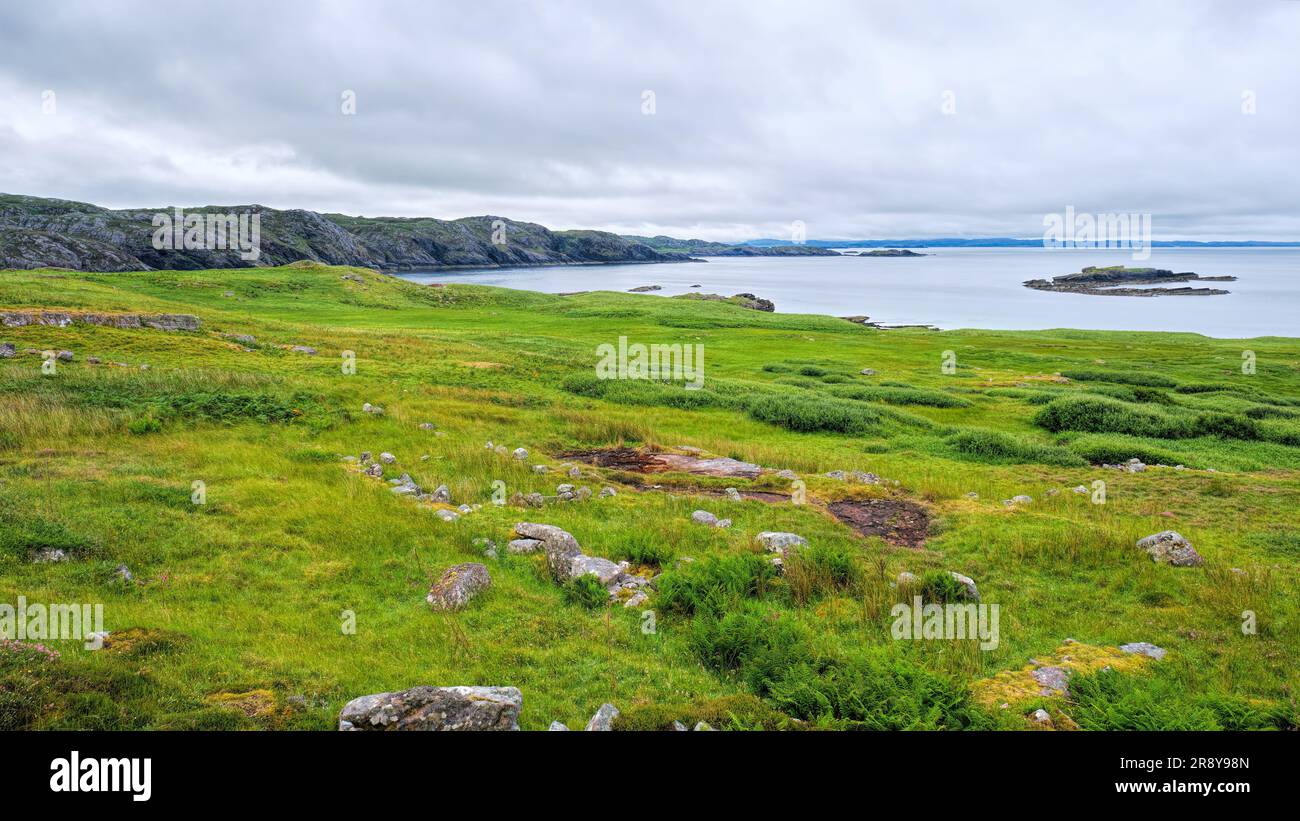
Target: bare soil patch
{"type": "Point", "coordinates": [898, 522]}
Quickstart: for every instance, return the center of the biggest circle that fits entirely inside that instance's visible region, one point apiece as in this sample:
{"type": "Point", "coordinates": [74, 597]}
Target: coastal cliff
{"type": "Point", "coordinates": [39, 233]}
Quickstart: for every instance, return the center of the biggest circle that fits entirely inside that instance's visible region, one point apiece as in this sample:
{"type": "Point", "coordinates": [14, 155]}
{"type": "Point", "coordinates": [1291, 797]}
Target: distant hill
{"type": "Point", "coordinates": [704, 248]}
{"type": "Point", "coordinates": [37, 233]}
{"type": "Point", "coordinates": [994, 242]}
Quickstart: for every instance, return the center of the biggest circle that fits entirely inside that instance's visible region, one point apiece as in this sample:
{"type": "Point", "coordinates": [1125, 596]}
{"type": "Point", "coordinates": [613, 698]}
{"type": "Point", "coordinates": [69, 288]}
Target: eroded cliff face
{"type": "Point", "coordinates": [39, 233]}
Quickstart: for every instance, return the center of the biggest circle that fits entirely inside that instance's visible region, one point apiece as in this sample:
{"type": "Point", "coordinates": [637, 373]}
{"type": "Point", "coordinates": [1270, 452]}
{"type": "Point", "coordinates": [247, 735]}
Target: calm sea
{"type": "Point", "coordinates": [961, 288]}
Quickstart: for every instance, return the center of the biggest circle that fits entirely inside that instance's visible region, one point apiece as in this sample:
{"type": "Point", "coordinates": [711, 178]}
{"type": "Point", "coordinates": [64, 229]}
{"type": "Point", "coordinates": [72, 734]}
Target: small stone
{"type": "Point", "coordinates": [606, 492]}
{"type": "Point", "coordinates": [703, 727]}
{"type": "Point", "coordinates": [582, 494]}
{"type": "Point", "coordinates": [680, 727]}
{"type": "Point", "coordinates": [540, 469]}
{"type": "Point", "coordinates": [520, 454]}
{"type": "Point", "coordinates": [310, 351]}
{"type": "Point", "coordinates": [867, 372]}
{"type": "Point", "coordinates": [1042, 718]}
{"type": "Point", "coordinates": [557, 727]}
{"type": "Point", "coordinates": [603, 720]}
{"type": "Point", "coordinates": [447, 515]}
{"type": "Point", "coordinates": [387, 458]}
{"type": "Point", "coordinates": [703, 517]}
{"type": "Point", "coordinates": [906, 579]}
{"type": "Point", "coordinates": [733, 494]}
{"type": "Point", "coordinates": [64, 356]}
{"type": "Point", "coordinates": [574, 472]}
{"type": "Point", "coordinates": [534, 499]}
{"type": "Point", "coordinates": [972, 495]}
{"type": "Point", "coordinates": [968, 585]}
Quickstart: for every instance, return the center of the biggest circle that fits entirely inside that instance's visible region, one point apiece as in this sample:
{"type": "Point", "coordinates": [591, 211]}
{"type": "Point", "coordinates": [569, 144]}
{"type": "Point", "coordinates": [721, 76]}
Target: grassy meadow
{"type": "Point", "coordinates": [233, 615]}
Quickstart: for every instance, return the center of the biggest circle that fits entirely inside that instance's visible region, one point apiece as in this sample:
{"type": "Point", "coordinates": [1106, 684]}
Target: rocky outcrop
{"type": "Point", "coordinates": [754, 303]}
{"type": "Point", "coordinates": [62, 319]}
{"type": "Point", "coordinates": [435, 708]}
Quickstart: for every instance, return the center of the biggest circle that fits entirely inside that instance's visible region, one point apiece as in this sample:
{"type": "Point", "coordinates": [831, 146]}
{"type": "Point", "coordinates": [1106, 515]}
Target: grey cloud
{"type": "Point", "coordinates": [766, 112]}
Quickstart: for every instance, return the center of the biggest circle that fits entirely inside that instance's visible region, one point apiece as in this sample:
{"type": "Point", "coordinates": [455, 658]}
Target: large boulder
{"type": "Point", "coordinates": [435, 708]}
{"type": "Point", "coordinates": [457, 585]}
{"type": "Point", "coordinates": [1171, 548]}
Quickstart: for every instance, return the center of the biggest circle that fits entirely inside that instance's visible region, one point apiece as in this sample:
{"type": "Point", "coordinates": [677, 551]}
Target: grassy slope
{"type": "Point", "coordinates": [247, 590]}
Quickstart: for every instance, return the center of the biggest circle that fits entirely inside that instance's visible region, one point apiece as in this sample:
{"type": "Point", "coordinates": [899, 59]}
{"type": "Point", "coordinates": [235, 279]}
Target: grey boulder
{"type": "Point", "coordinates": [435, 708]}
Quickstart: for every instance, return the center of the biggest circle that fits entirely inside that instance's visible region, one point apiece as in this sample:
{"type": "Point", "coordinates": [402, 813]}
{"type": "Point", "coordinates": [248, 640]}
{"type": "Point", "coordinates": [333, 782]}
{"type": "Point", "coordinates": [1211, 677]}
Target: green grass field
{"type": "Point", "coordinates": [233, 617]}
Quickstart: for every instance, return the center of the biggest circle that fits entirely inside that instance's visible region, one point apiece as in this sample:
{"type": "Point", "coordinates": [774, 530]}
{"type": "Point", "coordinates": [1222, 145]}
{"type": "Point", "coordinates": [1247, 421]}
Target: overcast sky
{"type": "Point", "coordinates": [861, 119]}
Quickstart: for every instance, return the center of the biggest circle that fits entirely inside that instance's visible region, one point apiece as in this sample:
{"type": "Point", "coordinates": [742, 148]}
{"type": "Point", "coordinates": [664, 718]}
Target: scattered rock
{"type": "Point", "coordinates": [606, 492]}
{"type": "Point", "coordinates": [540, 469]}
{"type": "Point", "coordinates": [457, 585]}
{"type": "Point", "coordinates": [1171, 548]}
{"type": "Point", "coordinates": [447, 515]}
{"type": "Point", "coordinates": [703, 517]}
{"type": "Point", "coordinates": [387, 458]}
{"type": "Point", "coordinates": [1144, 648]}
{"type": "Point", "coordinates": [7, 350]}
{"type": "Point", "coordinates": [732, 494]}
{"type": "Point", "coordinates": [435, 708]}
{"type": "Point", "coordinates": [603, 720]}
{"type": "Point", "coordinates": [49, 555]}
{"type": "Point", "coordinates": [636, 600]}
{"type": "Point", "coordinates": [520, 454]}
{"type": "Point", "coordinates": [906, 579]}
{"type": "Point", "coordinates": [702, 727]}
{"type": "Point", "coordinates": [557, 727]}
{"type": "Point", "coordinates": [780, 543]}
{"type": "Point", "coordinates": [968, 585]}
{"type": "Point", "coordinates": [310, 351]}
{"type": "Point", "coordinates": [1042, 718]}
{"type": "Point", "coordinates": [1051, 680]}
{"type": "Point", "coordinates": [867, 372]}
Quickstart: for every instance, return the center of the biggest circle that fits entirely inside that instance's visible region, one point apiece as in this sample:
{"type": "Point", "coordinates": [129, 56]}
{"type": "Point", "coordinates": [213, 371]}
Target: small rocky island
{"type": "Point", "coordinates": [889, 252]}
{"type": "Point", "coordinates": [1111, 281]}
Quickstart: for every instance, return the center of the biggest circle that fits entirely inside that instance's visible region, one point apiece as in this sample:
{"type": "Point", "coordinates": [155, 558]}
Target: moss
{"type": "Point", "coordinates": [1016, 687]}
